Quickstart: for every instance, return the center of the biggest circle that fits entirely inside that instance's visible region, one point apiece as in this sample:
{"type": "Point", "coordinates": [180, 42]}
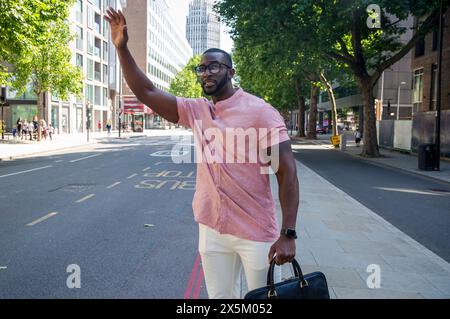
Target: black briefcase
{"type": "Point", "coordinates": [310, 286]}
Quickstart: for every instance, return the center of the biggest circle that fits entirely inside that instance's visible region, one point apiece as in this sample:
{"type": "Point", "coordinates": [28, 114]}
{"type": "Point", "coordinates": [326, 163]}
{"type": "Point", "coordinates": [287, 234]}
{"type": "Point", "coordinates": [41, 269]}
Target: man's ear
{"type": "Point", "coordinates": [231, 73]}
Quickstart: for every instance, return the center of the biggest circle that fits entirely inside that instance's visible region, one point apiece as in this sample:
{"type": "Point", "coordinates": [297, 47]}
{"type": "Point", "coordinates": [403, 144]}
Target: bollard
{"type": "Point", "coordinates": [343, 143]}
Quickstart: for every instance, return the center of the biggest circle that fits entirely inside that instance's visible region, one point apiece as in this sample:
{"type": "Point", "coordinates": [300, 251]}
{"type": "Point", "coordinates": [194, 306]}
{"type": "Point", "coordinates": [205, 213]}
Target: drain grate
{"type": "Point", "coordinates": [73, 188]}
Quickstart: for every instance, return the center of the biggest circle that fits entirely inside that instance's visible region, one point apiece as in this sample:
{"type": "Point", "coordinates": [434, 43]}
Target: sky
{"type": "Point", "coordinates": [180, 9]}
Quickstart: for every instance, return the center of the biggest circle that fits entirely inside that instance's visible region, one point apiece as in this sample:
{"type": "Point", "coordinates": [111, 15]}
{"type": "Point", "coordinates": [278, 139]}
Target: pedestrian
{"type": "Point", "coordinates": [233, 203]}
{"type": "Point", "coordinates": [108, 127]}
{"type": "Point", "coordinates": [357, 137]}
{"type": "Point", "coordinates": [99, 125]}
{"type": "Point", "coordinates": [19, 127]}
{"type": "Point", "coordinates": [50, 131]}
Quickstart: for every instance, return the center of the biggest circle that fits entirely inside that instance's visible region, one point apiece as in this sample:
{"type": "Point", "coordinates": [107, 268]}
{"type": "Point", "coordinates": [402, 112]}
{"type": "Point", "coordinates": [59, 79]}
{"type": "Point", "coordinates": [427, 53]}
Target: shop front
{"type": "Point", "coordinates": [136, 114]}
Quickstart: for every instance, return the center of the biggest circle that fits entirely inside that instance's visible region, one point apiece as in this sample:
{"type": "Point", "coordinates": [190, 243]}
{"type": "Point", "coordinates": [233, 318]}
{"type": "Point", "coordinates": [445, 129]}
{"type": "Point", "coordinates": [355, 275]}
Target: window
{"type": "Point", "coordinates": [90, 38]}
{"type": "Point", "coordinates": [105, 51]}
{"type": "Point", "coordinates": [89, 93]}
{"type": "Point", "coordinates": [79, 38]}
{"type": "Point", "coordinates": [433, 91]}
{"type": "Point", "coordinates": [105, 74]}
{"type": "Point", "coordinates": [417, 90]}
{"type": "Point", "coordinates": [98, 47]}
{"type": "Point", "coordinates": [79, 11]}
{"type": "Point", "coordinates": [98, 95]}
{"type": "Point", "coordinates": [97, 3]}
{"type": "Point", "coordinates": [105, 97]}
{"type": "Point", "coordinates": [90, 17]}
{"type": "Point", "coordinates": [79, 61]}
{"type": "Point", "coordinates": [97, 23]}
{"type": "Point", "coordinates": [90, 69]}
{"type": "Point", "coordinates": [98, 72]}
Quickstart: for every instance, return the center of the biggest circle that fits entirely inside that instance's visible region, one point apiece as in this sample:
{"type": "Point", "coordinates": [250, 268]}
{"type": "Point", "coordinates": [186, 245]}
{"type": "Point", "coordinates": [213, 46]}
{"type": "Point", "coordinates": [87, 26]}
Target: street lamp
{"type": "Point", "coordinates": [439, 90]}
{"type": "Point", "coordinates": [398, 99]}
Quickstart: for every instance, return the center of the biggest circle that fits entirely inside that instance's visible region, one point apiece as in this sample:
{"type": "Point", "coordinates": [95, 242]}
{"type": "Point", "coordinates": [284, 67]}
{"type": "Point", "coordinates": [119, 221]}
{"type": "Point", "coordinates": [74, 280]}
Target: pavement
{"type": "Point", "coordinates": [351, 244]}
{"type": "Point", "coordinates": [361, 254]}
{"type": "Point", "coordinates": [11, 149]}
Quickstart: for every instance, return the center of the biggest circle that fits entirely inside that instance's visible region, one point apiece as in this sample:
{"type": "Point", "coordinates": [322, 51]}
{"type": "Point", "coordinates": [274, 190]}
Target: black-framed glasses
{"type": "Point", "coordinates": [213, 68]}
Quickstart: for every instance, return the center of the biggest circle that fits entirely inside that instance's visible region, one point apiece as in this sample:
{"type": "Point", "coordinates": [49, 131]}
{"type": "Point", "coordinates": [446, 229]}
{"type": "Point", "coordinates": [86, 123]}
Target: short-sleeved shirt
{"type": "Point", "coordinates": [232, 194]}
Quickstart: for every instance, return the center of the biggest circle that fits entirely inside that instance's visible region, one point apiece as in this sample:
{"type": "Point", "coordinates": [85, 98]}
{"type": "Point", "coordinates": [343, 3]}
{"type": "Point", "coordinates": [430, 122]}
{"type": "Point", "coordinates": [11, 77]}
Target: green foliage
{"type": "Point", "coordinates": [34, 39]}
{"type": "Point", "coordinates": [330, 37]}
{"type": "Point", "coordinates": [186, 82]}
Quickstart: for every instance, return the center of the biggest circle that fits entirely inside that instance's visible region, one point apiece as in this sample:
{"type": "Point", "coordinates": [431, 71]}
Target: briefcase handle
{"type": "Point", "coordinates": [297, 272]}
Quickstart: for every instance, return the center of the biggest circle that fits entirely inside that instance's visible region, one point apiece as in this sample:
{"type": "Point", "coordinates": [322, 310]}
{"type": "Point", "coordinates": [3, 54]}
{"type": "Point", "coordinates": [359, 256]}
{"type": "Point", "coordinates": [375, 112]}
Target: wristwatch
{"type": "Point", "coordinates": [289, 233]}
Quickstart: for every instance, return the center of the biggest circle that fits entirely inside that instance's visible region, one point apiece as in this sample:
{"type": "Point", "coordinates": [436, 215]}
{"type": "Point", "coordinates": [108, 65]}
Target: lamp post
{"type": "Point", "coordinates": [3, 103]}
{"type": "Point", "coordinates": [398, 99]}
{"type": "Point", "coordinates": [88, 119]}
{"type": "Point", "coordinates": [439, 90]}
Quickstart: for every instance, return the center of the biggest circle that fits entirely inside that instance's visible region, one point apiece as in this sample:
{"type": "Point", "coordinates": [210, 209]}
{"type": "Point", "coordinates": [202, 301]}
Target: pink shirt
{"type": "Point", "coordinates": [231, 197]}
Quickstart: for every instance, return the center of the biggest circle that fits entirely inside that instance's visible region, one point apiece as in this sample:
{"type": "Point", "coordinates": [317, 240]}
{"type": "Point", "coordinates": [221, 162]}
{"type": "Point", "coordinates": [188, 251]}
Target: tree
{"type": "Point", "coordinates": [338, 30]}
{"type": "Point", "coordinates": [22, 23]}
{"type": "Point", "coordinates": [50, 66]}
{"type": "Point", "coordinates": [186, 82]}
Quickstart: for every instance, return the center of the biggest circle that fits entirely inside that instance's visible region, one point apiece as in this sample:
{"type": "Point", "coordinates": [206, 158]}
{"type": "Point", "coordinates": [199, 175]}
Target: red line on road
{"type": "Point", "coordinates": [187, 293]}
{"type": "Point", "coordinates": [197, 286]}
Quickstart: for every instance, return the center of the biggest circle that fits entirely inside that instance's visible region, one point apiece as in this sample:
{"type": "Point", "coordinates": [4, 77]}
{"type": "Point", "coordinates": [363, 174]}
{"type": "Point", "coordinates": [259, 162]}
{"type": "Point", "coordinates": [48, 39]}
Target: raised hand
{"type": "Point", "coordinates": [118, 26]}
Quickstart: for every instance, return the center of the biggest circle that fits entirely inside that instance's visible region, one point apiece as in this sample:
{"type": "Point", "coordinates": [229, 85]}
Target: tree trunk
{"type": "Point", "coordinates": [332, 101]}
{"type": "Point", "coordinates": [312, 113]}
{"type": "Point", "coordinates": [39, 114]}
{"type": "Point", "coordinates": [301, 110]}
{"type": "Point", "coordinates": [370, 147]}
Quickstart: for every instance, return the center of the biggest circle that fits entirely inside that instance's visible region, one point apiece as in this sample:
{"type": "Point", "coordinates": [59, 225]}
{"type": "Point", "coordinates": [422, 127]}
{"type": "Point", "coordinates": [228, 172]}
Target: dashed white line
{"type": "Point", "coordinates": [59, 161]}
{"type": "Point", "coordinates": [114, 184]}
{"type": "Point", "coordinates": [131, 176]}
{"type": "Point", "coordinates": [85, 198]}
{"type": "Point", "coordinates": [42, 218]}
{"type": "Point", "coordinates": [146, 169]}
{"type": "Point", "coordinates": [29, 170]}
{"type": "Point", "coordinates": [83, 158]}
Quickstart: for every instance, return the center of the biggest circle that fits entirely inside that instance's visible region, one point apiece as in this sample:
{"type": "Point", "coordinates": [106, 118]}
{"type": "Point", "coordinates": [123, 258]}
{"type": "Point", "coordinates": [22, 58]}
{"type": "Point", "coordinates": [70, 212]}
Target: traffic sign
{"type": "Point", "coordinates": [335, 140]}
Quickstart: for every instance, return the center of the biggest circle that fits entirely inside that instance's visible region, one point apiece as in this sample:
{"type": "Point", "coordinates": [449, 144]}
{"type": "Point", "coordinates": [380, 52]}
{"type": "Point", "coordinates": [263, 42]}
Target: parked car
{"type": "Point", "coordinates": [321, 130]}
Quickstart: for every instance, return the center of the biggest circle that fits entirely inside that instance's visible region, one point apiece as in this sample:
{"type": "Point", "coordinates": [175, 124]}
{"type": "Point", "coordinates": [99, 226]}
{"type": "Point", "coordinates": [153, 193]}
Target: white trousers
{"type": "Point", "coordinates": [224, 256]}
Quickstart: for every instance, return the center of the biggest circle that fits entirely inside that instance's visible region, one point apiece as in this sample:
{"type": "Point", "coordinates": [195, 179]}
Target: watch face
{"type": "Point", "coordinates": [291, 233]}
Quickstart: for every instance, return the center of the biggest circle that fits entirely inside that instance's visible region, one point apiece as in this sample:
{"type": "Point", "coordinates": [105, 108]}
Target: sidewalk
{"type": "Point", "coordinates": [393, 159]}
{"type": "Point", "coordinates": [13, 149]}
{"type": "Point", "coordinates": [341, 237]}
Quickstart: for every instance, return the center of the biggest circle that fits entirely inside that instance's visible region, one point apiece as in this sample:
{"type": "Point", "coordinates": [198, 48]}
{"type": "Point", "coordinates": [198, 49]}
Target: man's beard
{"type": "Point", "coordinates": [219, 85]}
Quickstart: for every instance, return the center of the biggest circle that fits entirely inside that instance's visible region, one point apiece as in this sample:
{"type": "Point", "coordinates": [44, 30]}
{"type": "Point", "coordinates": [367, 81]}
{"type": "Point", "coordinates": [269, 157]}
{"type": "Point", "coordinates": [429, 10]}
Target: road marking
{"type": "Point", "coordinates": [42, 218]}
{"type": "Point", "coordinates": [131, 176]}
{"type": "Point", "coordinates": [146, 169]}
{"type": "Point", "coordinates": [3, 267]}
{"type": "Point", "coordinates": [85, 198]}
{"type": "Point", "coordinates": [59, 161]}
{"type": "Point", "coordinates": [190, 285]}
{"type": "Point", "coordinates": [114, 184]}
{"type": "Point", "coordinates": [83, 158]}
{"type": "Point", "coordinates": [198, 285]}
{"type": "Point", "coordinates": [29, 170]}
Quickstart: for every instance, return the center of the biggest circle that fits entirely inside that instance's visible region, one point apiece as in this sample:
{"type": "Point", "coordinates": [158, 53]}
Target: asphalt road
{"type": "Point", "coordinates": [416, 205]}
{"type": "Point", "coordinates": [113, 213]}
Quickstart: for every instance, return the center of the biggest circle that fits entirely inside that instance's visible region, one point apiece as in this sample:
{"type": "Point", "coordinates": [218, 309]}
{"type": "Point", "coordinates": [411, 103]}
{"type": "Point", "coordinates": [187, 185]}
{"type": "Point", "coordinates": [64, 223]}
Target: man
{"type": "Point", "coordinates": [233, 203]}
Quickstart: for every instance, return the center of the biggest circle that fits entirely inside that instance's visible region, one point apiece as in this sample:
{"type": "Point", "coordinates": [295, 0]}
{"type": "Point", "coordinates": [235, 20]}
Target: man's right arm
{"type": "Point", "coordinates": [163, 103]}
{"type": "Point", "coordinates": [159, 101]}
